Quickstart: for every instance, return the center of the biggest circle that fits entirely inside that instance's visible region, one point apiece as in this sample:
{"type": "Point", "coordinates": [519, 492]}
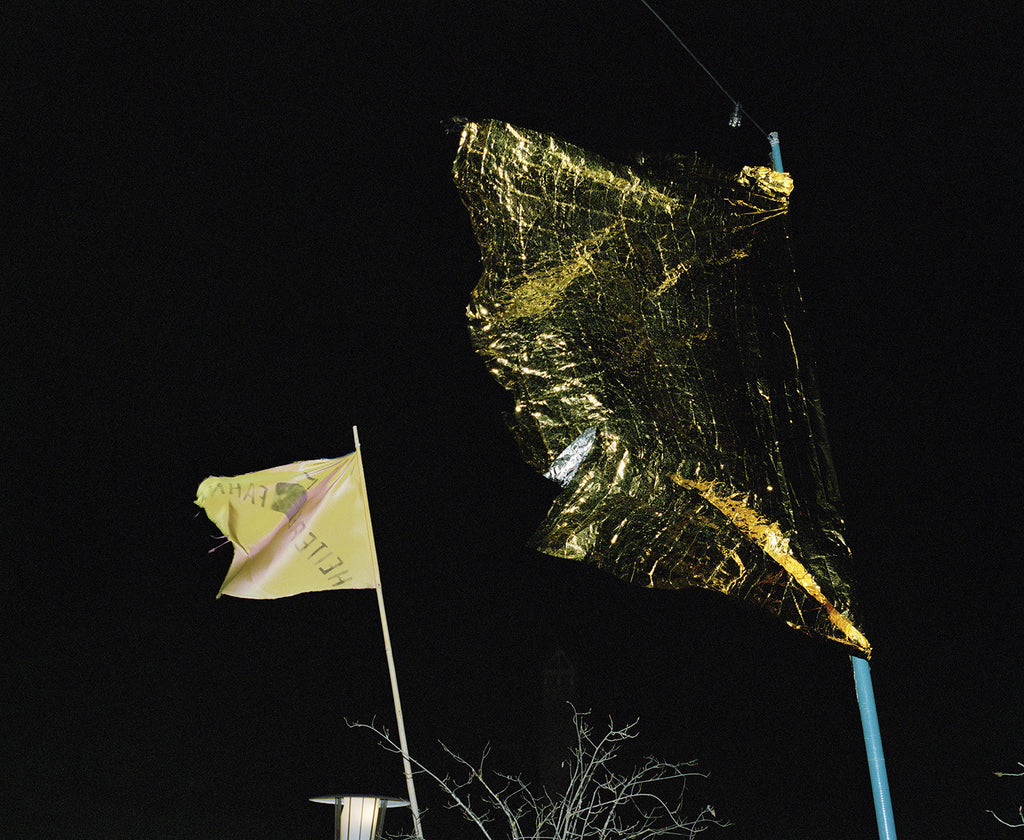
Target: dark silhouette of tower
{"type": "Point", "coordinates": [558, 734]}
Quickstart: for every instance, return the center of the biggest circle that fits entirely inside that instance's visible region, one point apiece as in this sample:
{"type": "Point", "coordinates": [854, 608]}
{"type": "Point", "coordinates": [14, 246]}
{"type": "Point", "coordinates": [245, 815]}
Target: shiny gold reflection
{"type": "Point", "coordinates": [656, 304]}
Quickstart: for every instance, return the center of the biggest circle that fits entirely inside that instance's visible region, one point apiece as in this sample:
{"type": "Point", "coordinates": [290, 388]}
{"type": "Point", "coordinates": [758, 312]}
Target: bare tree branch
{"type": "Point", "coordinates": [597, 803]}
{"type": "Point", "coordinates": [1019, 763]}
{"type": "Point", "coordinates": [1020, 810]}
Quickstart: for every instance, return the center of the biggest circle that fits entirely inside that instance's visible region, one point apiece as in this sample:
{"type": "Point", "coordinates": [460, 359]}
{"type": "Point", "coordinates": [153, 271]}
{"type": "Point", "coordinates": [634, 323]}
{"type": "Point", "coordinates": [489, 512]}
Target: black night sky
{"type": "Point", "coordinates": [232, 235]}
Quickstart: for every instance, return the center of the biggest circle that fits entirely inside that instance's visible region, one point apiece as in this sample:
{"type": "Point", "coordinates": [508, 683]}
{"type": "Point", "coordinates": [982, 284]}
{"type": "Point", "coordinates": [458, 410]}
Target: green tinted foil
{"type": "Point", "coordinates": [658, 304]}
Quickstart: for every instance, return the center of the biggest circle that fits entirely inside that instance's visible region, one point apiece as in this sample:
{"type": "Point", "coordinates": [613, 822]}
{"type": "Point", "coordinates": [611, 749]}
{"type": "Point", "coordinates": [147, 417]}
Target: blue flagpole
{"type": "Point", "coordinates": [773, 139]}
{"type": "Point", "coordinates": [862, 681]}
{"type": "Point", "coordinates": [873, 745]}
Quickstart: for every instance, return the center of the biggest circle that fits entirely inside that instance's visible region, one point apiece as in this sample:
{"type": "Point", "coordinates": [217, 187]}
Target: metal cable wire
{"type": "Point", "coordinates": [700, 64]}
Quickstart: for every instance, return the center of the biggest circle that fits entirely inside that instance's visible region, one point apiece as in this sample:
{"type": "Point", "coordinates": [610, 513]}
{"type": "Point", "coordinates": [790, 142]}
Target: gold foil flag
{"type": "Point", "coordinates": [645, 318]}
{"type": "Point", "coordinates": [303, 527]}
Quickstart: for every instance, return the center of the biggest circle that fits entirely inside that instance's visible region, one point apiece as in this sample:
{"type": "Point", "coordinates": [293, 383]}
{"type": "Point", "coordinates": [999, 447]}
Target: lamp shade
{"type": "Point", "coordinates": [359, 817]}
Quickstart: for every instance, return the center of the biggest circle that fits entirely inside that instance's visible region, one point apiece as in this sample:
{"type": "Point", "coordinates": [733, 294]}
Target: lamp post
{"type": "Point", "coordinates": [359, 817]}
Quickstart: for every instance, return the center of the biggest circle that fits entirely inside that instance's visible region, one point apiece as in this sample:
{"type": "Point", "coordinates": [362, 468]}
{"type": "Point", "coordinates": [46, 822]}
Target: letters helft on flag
{"type": "Point", "coordinates": [301, 527]}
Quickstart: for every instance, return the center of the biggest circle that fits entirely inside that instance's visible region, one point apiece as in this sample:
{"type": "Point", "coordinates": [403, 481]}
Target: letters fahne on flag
{"type": "Point", "coordinates": [301, 527]}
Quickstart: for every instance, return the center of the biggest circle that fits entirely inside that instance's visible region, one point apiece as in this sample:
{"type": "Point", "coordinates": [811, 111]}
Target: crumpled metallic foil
{"type": "Point", "coordinates": [657, 304]}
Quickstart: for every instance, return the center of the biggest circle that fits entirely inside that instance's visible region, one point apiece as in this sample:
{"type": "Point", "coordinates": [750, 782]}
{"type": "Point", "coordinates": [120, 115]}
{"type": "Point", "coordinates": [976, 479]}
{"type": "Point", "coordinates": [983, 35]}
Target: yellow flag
{"type": "Point", "coordinates": [302, 527]}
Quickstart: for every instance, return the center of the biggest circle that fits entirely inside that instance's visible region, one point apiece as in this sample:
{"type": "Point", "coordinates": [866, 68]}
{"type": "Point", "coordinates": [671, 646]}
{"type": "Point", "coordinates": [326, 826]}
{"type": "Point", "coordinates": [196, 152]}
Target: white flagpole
{"type": "Point", "coordinates": [414, 807]}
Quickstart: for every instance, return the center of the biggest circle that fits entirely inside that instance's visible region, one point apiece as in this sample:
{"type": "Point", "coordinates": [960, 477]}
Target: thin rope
{"type": "Point", "coordinates": [700, 64]}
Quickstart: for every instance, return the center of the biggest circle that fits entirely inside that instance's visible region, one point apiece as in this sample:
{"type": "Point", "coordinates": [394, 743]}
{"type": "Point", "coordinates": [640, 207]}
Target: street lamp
{"type": "Point", "coordinates": [359, 817]}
